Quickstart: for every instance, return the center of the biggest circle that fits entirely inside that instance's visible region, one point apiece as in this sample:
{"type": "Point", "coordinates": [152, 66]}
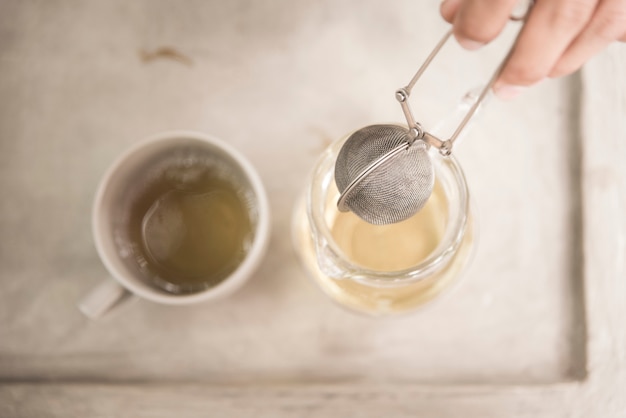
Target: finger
{"type": "Point", "coordinates": [607, 25]}
{"type": "Point", "coordinates": [448, 9]}
{"type": "Point", "coordinates": [550, 28]}
{"type": "Point", "coordinates": [477, 22]}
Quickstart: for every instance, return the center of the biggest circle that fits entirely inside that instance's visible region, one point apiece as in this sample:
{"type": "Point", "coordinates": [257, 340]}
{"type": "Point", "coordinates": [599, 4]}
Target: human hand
{"type": "Point", "coordinates": [558, 37]}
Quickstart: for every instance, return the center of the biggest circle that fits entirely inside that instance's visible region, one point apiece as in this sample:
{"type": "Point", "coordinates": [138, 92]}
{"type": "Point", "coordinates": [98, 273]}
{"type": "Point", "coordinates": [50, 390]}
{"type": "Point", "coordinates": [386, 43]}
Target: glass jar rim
{"type": "Point", "coordinates": [323, 175]}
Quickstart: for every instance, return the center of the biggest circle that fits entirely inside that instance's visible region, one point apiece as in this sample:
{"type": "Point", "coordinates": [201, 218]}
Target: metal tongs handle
{"type": "Point", "coordinates": [402, 95]}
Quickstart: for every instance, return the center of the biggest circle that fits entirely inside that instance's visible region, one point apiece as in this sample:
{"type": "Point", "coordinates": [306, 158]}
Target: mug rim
{"type": "Point", "coordinates": [234, 280]}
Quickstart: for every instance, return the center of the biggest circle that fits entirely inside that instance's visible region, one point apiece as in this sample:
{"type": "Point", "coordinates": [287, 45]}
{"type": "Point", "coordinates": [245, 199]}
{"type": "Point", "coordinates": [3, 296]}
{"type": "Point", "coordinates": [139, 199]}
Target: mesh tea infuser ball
{"type": "Point", "coordinates": [384, 173]}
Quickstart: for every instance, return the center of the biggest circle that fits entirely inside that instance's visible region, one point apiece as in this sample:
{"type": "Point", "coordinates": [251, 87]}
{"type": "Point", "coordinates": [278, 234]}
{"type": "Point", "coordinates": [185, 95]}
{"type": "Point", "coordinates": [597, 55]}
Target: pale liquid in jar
{"type": "Point", "coordinates": [396, 246]}
{"type": "Point", "coordinates": [386, 248]}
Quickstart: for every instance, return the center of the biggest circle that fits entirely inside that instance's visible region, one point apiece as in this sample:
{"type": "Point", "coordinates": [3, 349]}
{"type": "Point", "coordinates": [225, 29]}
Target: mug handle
{"type": "Point", "coordinates": [102, 298]}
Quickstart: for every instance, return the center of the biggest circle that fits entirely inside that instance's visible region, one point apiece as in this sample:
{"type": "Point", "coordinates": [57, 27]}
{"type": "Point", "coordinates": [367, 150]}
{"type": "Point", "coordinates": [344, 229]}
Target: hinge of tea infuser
{"type": "Point", "coordinates": [402, 96]}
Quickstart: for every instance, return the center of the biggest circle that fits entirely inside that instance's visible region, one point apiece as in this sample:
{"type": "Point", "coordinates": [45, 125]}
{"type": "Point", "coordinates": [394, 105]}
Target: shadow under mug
{"type": "Point", "coordinates": [127, 281]}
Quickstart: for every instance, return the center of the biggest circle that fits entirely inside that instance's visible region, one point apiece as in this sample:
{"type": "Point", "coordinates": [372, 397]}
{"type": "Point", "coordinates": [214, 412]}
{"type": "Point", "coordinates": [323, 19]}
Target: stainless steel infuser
{"type": "Point", "coordinates": [384, 172]}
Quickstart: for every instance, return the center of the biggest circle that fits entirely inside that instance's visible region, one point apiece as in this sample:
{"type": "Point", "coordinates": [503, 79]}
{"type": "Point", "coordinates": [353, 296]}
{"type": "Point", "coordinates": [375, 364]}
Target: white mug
{"type": "Point", "coordinates": [126, 281]}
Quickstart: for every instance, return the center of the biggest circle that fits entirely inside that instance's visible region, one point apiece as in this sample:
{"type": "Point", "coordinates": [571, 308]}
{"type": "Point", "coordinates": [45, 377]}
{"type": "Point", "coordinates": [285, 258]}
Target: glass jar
{"type": "Point", "coordinates": [381, 270]}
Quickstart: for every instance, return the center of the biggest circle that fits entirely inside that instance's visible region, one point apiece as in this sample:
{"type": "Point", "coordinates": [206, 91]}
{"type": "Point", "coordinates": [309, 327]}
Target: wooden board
{"type": "Point", "coordinates": [535, 328]}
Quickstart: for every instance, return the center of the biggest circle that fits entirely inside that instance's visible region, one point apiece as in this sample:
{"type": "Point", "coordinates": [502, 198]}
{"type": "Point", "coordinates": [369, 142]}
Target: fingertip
{"type": "Point", "coordinates": [558, 71]}
{"type": "Point", "coordinates": [476, 23]}
{"type": "Point", "coordinates": [469, 44]}
{"type": "Point", "coordinates": [448, 9]}
{"type": "Point", "coordinates": [521, 72]}
{"type": "Point", "coordinates": [506, 91]}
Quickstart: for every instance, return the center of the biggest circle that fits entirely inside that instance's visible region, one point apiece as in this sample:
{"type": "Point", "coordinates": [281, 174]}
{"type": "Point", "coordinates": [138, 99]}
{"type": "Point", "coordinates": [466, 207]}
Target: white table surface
{"type": "Point", "coordinates": [534, 320]}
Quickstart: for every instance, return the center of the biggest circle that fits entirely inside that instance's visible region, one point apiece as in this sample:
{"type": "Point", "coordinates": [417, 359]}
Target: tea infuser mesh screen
{"type": "Point", "coordinates": [383, 178]}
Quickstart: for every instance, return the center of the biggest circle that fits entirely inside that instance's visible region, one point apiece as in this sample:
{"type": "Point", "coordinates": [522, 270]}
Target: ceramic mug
{"type": "Point", "coordinates": [127, 280]}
